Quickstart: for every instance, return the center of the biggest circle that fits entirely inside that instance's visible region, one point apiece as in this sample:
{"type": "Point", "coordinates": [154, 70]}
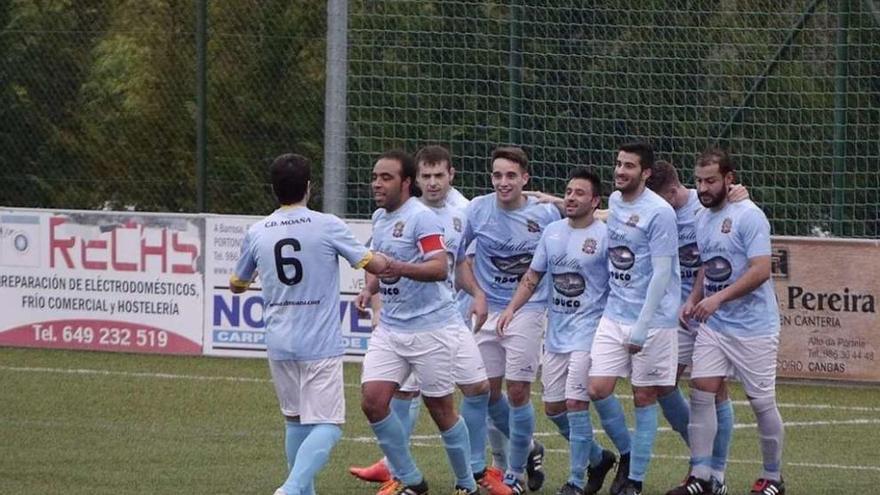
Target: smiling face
{"type": "Point", "coordinates": [508, 179]}
{"type": "Point", "coordinates": [389, 190]}
{"type": "Point", "coordinates": [628, 173]}
{"type": "Point", "coordinates": [580, 199]}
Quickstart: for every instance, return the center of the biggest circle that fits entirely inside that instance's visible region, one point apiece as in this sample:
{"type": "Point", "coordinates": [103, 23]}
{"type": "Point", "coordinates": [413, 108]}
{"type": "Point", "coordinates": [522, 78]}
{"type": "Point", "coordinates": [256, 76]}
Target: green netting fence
{"type": "Point", "coordinates": [98, 97]}
{"type": "Point", "coordinates": [791, 88]}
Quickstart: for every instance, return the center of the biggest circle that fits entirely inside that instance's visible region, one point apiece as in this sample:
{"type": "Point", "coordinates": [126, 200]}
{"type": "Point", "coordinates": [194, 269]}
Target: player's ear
{"type": "Point", "coordinates": [451, 174]}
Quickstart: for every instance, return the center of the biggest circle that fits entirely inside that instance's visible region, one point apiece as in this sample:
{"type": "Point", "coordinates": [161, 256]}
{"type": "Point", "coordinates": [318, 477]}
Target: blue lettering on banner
{"type": "Point", "coordinates": [251, 311]}
{"type": "Point", "coordinates": [240, 337]}
{"type": "Point", "coordinates": [246, 311]}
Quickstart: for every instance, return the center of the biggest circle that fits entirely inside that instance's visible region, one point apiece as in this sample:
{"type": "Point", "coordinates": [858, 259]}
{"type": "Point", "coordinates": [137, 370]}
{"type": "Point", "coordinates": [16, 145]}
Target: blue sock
{"type": "Point", "coordinates": [316, 451]}
{"type": "Point", "coordinates": [394, 444]}
{"type": "Point", "coordinates": [500, 447]}
{"type": "Point", "coordinates": [458, 450]}
{"type": "Point", "coordinates": [721, 446]}
{"type": "Point", "coordinates": [614, 422]}
{"type": "Point", "coordinates": [522, 427]}
{"type": "Point", "coordinates": [474, 411]}
{"type": "Point", "coordinates": [499, 412]}
{"type": "Point", "coordinates": [294, 434]}
{"type": "Point", "coordinates": [581, 442]}
{"type": "Point", "coordinates": [402, 408]}
{"type": "Point", "coordinates": [676, 411]}
{"type": "Point", "coordinates": [561, 421]}
{"type": "Point", "coordinates": [643, 441]}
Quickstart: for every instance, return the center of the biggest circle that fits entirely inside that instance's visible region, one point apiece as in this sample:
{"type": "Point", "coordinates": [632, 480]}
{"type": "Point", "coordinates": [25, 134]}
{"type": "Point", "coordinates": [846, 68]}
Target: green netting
{"type": "Point", "coordinates": [595, 74]}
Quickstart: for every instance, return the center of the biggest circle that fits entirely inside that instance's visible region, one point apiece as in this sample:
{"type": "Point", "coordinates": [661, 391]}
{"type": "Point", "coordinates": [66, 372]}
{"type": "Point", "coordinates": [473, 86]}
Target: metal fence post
{"type": "Point", "coordinates": [335, 108]}
{"type": "Point", "coordinates": [201, 104]}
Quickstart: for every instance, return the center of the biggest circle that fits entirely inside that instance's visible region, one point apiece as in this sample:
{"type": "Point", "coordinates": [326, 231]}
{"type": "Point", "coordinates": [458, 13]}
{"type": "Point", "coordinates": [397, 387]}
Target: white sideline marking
{"type": "Point", "coordinates": [171, 376]}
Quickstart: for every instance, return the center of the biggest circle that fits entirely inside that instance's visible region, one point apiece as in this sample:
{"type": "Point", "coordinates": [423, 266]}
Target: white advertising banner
{"type": "Point", "coordinates": [234, 322]}
{"type": "Point", "coordinates": [129, 282]}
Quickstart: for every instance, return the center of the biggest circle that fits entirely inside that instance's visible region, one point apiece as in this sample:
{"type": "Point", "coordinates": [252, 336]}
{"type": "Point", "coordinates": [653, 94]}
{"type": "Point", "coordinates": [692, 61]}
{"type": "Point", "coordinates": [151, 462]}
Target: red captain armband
{"type": "Point", "coordinates": [431, 243]}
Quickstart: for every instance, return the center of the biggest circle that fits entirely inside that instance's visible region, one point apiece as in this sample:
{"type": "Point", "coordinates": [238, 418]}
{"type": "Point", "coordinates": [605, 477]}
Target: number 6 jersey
{"type": "Point", "coordinates": [295, 251]}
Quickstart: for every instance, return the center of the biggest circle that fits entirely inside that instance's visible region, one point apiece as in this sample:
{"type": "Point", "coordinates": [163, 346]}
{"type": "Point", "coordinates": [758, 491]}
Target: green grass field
{"type": "Point", "coordinates": [97, 423]}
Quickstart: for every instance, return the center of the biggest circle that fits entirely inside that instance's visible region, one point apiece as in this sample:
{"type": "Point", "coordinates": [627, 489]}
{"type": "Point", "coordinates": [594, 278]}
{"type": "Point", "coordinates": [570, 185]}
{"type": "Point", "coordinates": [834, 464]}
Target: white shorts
{"type": "Point", "coordinates": [467, 366]}
{"type": "Point", "coordinates": [655, 365]}
{"type": "Point", "coordinates": [566, 376]}
{"type": "Point", "coordinates": [517, 355]}
{"type": "Point", "coordinates": [391, 356]}
{"type": "Point", "coordinates": [312, 390]}
{"type": "Point", "coordinates": [686, 340]}
{"type": "Point", "coordinates": [751, 359]}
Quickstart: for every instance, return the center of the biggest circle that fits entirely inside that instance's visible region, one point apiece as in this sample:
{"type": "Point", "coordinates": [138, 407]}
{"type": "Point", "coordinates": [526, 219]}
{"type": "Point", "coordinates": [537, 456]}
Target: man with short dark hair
{"type": "Point", "coordinates": [506, 226]}
{"type": "Point", "coordinates": [734, 301]}
{"type": "Point", "coordinates": [418, 326]}
{"type": "Point", "coordinates": [574, 252]}
{"type": "Point", "coordinates": [295, 251]}
{"type": "Point", "coordinates": [636, 336]}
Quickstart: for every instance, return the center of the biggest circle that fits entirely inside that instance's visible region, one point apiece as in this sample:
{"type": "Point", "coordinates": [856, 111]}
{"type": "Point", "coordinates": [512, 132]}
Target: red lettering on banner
{"type": "Point", "coordinates": [182, 247]}
{"type": "Point", "coordinates": [88, 246]}
{"type": "Point", "coordinates": [63, 245]}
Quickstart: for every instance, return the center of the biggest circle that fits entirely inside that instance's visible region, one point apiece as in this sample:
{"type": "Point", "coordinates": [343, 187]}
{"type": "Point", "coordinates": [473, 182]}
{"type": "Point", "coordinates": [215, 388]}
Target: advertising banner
{"type": "Point", "coordinates": [234, 322]}
{"type": "Point", "coordinates": [116, 281]}
{"type": "Point", "coordinates": [827, 291]}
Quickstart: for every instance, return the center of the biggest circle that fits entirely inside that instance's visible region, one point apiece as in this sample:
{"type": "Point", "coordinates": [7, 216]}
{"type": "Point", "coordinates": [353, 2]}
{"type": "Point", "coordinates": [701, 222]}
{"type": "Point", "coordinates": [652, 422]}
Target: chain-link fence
{"type": "Point", "coordinates": [98, 105]}
{"type": "Point", "coordinates": [792, 88]}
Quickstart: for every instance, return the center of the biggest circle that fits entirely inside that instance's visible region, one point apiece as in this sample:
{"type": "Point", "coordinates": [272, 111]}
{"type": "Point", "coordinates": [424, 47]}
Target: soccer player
{"type": "Point", "coordinates": [506, 226]}
{"type": "Point", "coordinates": [637, 333]}
{"type": "Point", "coordinates": [295, 252]}
{"type": "Point", "coordinates": [734, 300]}
{"type": "Point", "coordinates": [418, 329]}
{"type": "Point", "coordinates": [574, 252]}
{"type": "Point", "coordinates": [435, 174]}
{"type": "Point", "coordinates": [664, 181]}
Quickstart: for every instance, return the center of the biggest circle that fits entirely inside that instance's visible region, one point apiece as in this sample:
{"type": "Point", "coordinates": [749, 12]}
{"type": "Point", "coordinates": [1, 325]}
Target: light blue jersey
{"type": "Point", "coordinates": [295, 251]}
{"type": "Point", "coordinates": [688, 253]}
{"type": "Point", "coordinates": [576, 262]}
{"type": "Point", "coordinates": [636, 232]}
{"type": "Point", "coordinates": [728, 238]}
{"type": "Point", "coordinates": [506, 242]}
{"type": "Point", "coordinates": [409, 305]}
{"type": "Point", "coordinates": [452, 220]}
{"type": "Point", "coordinates": [456, 199]}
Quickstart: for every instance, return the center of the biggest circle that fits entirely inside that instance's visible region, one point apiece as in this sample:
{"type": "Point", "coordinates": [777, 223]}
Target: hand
{"type": "Point", "coordinates": [685, 313]}
{"type": "Point", "coordinates": [737, 192]}
{"type": "Point", "coordinates": [392, 270]}
{"type": "Point", "coordinates": [479, 311]}
{"type": "Point", "coordinates": [504, 320]}
{"type": "Point", "coordinates": [705, 308]}
{"type": "Point", "coordinates": [362, 301]}
{"type": "Point", "coordinates": [543, 197]}
{"type": "Point", "coordinates": [633, 348]}
{"type": "Point", "coordinates": [601, 215]}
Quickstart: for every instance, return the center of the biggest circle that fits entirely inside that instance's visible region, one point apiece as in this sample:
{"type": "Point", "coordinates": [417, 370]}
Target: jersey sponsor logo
{"type": "Point", "coordinates": [533, 226]}
{"type": "Point", "coordinates": [398, 229]}
{"type": "Point", "coordinates": [569, 284]}
{"type": "Point", "coordinates": [726, 225]}
{"type": "Point", "coordinates": [717, 269]}
{"type": "Point", "coordinates": [621, 257]}
{"type": "Point", "coordinates": [689, 255]}
{"type": "Point", "coordinates": [589, 246]}
{"type": "Point", "coordinates": [456, 224]}
{"type": "Point", "coordinates": [633, 220]}
{"type": "Point", "coordinates": [517, 264]}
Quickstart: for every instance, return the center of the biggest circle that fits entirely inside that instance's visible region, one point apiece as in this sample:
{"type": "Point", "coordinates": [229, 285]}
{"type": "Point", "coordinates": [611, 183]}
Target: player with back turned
{"type": "Point", "coordinates": [295, 250]}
